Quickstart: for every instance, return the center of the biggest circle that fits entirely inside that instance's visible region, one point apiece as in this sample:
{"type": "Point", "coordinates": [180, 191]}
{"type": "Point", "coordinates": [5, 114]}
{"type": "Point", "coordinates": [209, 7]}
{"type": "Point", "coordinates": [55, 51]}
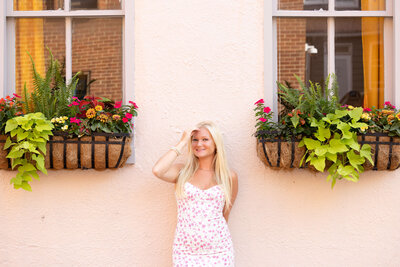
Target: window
{"type": "Point", "coordinates": [352, 39]}
{"type": "Point", "coordinates": [84, 36]}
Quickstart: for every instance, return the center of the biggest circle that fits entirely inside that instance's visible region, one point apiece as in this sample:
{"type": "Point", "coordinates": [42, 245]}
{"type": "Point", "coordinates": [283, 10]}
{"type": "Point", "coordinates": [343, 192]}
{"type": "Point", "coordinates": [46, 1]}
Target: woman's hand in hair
{"type": "Point", "coordinates": [187, 134]}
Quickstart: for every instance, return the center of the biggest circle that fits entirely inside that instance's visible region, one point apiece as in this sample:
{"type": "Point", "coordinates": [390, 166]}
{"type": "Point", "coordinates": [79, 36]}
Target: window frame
{"type": "Point", "coordinates": [7, 46]}
{"type": "Point", "coordinates": [391, 37]}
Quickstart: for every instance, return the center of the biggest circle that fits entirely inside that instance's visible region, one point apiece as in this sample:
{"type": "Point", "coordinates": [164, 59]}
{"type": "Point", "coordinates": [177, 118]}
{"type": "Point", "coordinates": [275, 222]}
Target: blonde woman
{"type": "Point", "coordinates": [205, 189]}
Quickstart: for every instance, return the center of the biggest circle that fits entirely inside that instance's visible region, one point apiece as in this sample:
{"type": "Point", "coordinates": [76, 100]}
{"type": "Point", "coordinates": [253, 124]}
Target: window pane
{"type": "Point", "coordinates": [95, 4]}
{"type": "Point", "coordinates": [27, 5]}
{"type": "Point", "coordinates": [301, 49]}
{"type": "Point", "coordinates": [303, 4]}
{"type": "Point", "coordinates": [33, 35]}
{"type": "Point", "coordinates": [359, 61]}
{"type": "Point", "coordinates": [360, 5]}
{"type": "Point", "coordinates": [97, 53]}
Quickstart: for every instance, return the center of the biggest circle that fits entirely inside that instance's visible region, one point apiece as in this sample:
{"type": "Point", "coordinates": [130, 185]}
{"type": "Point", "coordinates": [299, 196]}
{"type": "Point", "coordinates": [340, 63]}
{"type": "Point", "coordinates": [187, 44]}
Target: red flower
{"type": "Point", "coordinates": [387, 103]}
{"type": "Point", "coordinates": [125, 120]}
{"type": "Point", "coordinates": [261, 101]}
{"type": "Point", "coordinates": [75, 120]}
{"type": "Point", "coordinates": [128, 115]}
{"type": "Point", "coordinates": [133, 104]}
{"type": "Point", "coordinates": [17, 96]}
{"type": "Point", "coordinates": [118, 104]}
{"type": "Point", "coordinates": [267, 110]}
{"type": "Point", "coordinates": [367, 109]}
{"type": "Point", "coordinates": [263, 119]}
{"type": "Point", "coordinates": [290, 114]}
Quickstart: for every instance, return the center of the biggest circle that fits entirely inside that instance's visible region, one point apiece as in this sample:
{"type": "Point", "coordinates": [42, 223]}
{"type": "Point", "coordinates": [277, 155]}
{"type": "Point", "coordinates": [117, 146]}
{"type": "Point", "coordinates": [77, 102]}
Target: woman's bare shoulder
{"type": "Point", "coordinates": [234, 176]}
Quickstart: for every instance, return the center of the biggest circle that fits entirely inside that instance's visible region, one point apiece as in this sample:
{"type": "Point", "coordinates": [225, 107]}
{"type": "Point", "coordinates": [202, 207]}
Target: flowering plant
{"type": "Point", "coordinates": [385, 120]}
{"type": "Point", "coordinates": [96, 114]}
{"type": "Point", "coordinates": [10, 107]}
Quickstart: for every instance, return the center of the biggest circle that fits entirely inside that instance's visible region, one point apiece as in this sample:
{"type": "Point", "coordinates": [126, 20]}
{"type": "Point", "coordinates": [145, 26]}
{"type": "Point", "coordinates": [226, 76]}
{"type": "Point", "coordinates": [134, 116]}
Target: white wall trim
{"type": "Point", "coordinates": [270, 92]}
{"type": "Point", "coordinates": [396, 52]}
{"type": "Point", "coordinates": [388, 51]}
{"type": "Point", "coordinates": [129, 60]}
{"type": "Point", "coordinates": [65, 13]}
{"type": "Point", "coordinates": [2, 47]}
{"type": "Point", "coordinates": [326, 13]}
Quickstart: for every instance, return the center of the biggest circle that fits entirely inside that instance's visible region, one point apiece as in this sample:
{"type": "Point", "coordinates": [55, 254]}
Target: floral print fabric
{"type": "Point", "coordinates": [202, 236]}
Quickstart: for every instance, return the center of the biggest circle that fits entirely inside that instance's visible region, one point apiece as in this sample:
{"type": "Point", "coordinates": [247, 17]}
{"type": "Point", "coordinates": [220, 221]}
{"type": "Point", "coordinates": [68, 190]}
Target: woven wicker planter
{"type": "Point", "coordinates": [98, 151]}
{"type": "Point", "coordinates": [281, 154]}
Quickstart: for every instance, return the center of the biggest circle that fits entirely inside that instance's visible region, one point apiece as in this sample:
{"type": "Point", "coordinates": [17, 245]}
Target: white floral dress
{"type": "Point", "coordinates": [202, 236]}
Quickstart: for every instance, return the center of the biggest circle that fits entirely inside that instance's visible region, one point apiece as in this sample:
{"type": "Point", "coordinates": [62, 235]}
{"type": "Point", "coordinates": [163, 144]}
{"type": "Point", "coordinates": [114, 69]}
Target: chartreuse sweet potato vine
{"type": "Point", "coordinates": [337, 142]}
{"type": "Point", "coordinates": [30, 134]}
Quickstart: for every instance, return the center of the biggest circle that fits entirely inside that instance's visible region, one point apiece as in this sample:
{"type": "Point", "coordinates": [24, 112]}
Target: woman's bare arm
{"type": "Point", "coordinates": [235, 188]}
{"type": "Point", "coordinates": [165, 169]}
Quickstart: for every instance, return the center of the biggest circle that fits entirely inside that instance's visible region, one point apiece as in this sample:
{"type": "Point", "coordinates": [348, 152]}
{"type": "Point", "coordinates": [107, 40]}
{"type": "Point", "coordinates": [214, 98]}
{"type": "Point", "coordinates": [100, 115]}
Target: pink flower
{"type": "Point", "coordinates": [118, 104]}
{"type": "Point", "coordinates": [75, 120]}
{"type": "Point", "coordinates": [125, 120]}
{"type": "Point", "coordinates": [261, 101]}
{"type": "Point", "coordinates": [128, 115]}
{"type": "Point", "coordinates": [17, 96]}
{"type": "Point", "coordinates": [387, 103]}
{"type": "Point", "coordinates": [267, 110]}
{"type": "Point", "coordinates": [263, 119]}
{"type": "Point", "coordinates": [133, 104]}
{"type": "Point", "coordinates": [74, 97]}
{"type": "Point", "coordinates": [74, 103]}
{"type": "Point", "coordinates": [344, 106]}
{"type": "Point", "coordinates": [367, 109]}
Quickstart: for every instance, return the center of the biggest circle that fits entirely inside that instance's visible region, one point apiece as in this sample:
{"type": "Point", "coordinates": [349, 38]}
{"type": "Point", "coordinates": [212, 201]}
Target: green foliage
{"type": "Point", "coordinates": [336, 142]}
{"type": "Point", "coordinates": [51, 95]}
{"type": "Point", "coordinates": [27, 143]}
{"type": "Point", "coordinates": [306, 102]}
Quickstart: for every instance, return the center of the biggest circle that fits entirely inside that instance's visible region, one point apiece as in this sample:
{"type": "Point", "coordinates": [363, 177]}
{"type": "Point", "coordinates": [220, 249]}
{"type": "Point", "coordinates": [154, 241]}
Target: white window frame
{"type": "Point", "coordinates": [391, 44]}
{"type": "Point", "coordinates": [7, 43]}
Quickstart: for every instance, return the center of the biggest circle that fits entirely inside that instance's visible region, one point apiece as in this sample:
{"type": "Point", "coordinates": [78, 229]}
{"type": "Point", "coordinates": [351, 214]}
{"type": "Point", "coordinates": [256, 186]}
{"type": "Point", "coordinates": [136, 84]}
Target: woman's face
{"type": "Point", "coordinates": [202, 143]}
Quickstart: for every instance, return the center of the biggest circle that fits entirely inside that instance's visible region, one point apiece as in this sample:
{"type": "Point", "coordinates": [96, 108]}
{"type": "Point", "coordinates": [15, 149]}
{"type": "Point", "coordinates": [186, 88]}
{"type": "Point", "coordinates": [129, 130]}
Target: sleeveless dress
{"type": "Point", "coordinates": [202, 236]}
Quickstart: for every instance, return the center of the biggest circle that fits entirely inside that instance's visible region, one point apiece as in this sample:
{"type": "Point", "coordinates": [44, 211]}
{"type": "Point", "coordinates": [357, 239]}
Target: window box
{"type": "Point", "coordinates": [282, 154]}
{"type": "Point", "coordinates": [98, 151]}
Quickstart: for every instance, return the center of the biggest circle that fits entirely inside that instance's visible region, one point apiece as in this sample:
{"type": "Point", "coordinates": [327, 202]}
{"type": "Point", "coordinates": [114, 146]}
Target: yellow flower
{"type": "Point", "coordinates": [65, 118]}
{"type": "Point", "coordinates": [398, 116]}
{"type": "Point", "coordinates": [385, 111]}
{"type": "Point", "coordinates": [53, 120]}
{"type": "Point", "coordinates": [64, 128]}
{"type": "Point", "coordinates": [98, 108]}
{"type": "Point", "coordinates": [102, 118]}
{"type": "Point", "coordinates": [350, 107]}
{"type": "Point", "coordinates": [117, 117]}
{"type": "Point", "coordinates": [390, 117]}
{"type": "Point", "coordinates": [364, 128]}
{"type": "Point", "coordinates": [90, 113]}
{"type": "Point", "coordinates": [365, 116]}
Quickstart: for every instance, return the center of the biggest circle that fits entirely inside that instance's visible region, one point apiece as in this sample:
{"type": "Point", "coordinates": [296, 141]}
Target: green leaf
{"type": "Point", "coordinates": [43, 127]}
{"type": "Point", "coordinates": [321, 150]}
{"type": "Point", "coordinates": [318, 163]}
{"type": "Point", "coordinates": [351, 143]}
{"type": "Point", "coordinates": [8, 143]}
{"type": "Point", "coordinates": [340, 113]}
{"type": "Point", "coordinates": [354, 159]}
{"type": "Point", "coordinates": [295, 121]}
{"type": "Point", "coordinates": [345, 128]}
{"type": "Point", "coordinates": [26, 186]}
{"type": "Point", "coordinates": [311, 144]}
{"type": "Point", "coordinates": [336, 146]}
{"type": "Point", "coordinates": [21, 135]}
{"type": "Point", "coordinates": [331, 157]}
{"type": "Point", "coordinates": [34, 174]}
{"type": "Point", "coordinates": [345, 170]}
{"type": "Point", "coordinates": [301, 143]}
{"type": "Point", "coordinates": [42, 147]}
{"type": "Point", "coordinates": [323, 134]}
{"type": "Point", "coordinates": [11, 125]}
{"type": "Point", "coordinates": [16, 162]}
{"type": "Point", "coordinates": [366, 152]}
{"type": "Point", "coordinates": [356, 113]}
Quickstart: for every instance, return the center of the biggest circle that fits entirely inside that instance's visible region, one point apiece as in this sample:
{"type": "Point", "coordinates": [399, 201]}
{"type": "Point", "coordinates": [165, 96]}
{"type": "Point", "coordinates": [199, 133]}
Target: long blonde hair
{"type": "Point", "coordinates": [221, 168]}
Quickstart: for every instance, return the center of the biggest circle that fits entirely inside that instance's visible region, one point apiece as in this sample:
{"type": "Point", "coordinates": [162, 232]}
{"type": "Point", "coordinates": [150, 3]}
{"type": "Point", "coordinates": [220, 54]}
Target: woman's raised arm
{"type": "Point", "coordinates": [165, 169]}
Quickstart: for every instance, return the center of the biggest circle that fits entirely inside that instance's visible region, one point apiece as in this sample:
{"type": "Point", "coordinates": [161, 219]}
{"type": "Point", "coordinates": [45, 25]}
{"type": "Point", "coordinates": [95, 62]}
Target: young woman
{"type": "Point", "coordinates": [205, 189]}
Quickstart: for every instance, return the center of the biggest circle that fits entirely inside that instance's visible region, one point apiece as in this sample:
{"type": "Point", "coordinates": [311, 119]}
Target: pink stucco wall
{"type": "Point", "coordinates": [197, 60]}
